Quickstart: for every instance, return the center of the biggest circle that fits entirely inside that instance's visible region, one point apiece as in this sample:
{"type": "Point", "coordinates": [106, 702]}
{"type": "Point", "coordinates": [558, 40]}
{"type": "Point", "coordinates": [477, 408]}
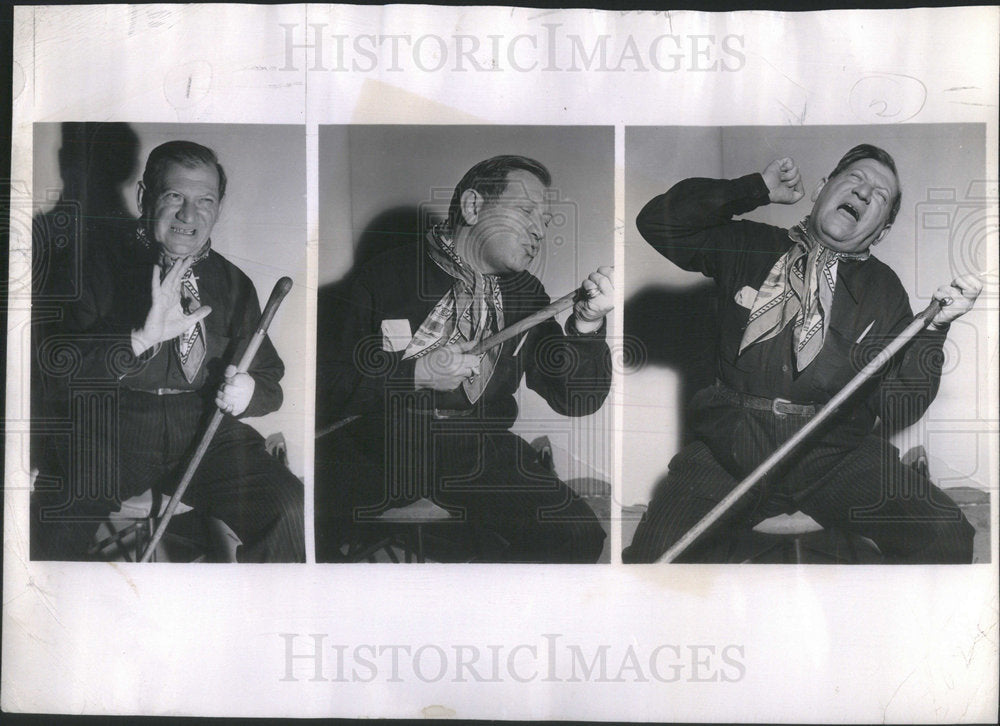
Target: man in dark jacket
{"type": "Point", "coordinates": [800, 311]}
{"type": "Point", "coordinates": [158, 318]}
{"type": "Point", "coordinates": [431, 419]}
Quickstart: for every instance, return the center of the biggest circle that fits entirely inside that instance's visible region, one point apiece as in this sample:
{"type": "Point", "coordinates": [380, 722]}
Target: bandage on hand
{"type": "Point", "coordinates": [956, 299]}
{"type": "Point", "coordinates": [235, 393]}
{"type": "Point", "coordinates": [445, 368]}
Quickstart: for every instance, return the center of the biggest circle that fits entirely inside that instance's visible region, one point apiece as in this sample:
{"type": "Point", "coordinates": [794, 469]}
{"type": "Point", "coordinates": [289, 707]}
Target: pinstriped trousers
{"type": "Point", "coordinates": [841, 478]}
{"type": "Point", "coordinates": [148, 446]}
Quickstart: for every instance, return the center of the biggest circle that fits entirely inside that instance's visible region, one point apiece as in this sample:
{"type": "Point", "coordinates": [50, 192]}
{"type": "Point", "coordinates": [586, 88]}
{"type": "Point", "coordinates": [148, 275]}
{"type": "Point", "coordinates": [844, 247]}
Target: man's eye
{"type": "Point", "coordinates": [206, 202]}
{"type": "Point", "coordinates": [171, 196]}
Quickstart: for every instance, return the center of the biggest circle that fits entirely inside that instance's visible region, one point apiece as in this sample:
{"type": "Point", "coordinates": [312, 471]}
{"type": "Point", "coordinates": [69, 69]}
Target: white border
{"type": "Point", "coordinates": [845, 644]}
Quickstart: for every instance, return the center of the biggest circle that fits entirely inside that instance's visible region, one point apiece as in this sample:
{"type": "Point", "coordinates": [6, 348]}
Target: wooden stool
{"type": "Point", "coordinates": [788, 529]}
{"type": "Point", "coordinates": [125, 534]}
{"type": "Point", "coordinates": [404, 530]}
{"type": "Point", "coordinates": [796, 535]}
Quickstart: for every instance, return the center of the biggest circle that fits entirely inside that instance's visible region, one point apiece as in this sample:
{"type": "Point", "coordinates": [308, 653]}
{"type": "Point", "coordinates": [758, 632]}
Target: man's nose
{"type": "Point", "coordinates": [537, 229]}
{"type": "Point", "coordinates": [863, 191]}
{"type": "Point", "coordinates": [185, 212]}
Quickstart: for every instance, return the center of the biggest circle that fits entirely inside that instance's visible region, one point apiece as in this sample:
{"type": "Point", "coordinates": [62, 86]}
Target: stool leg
{"type": "Point", "coordinates": [420, 543]}
{"type": "Point", "coordinates": [148, 534]}
{"type": "Point", "coordinates": [852, 552]}
{"type": "Point", "coordinates": [139, 527]}
{"type": "Point", "coordinates": [407, 548]}
{"type": "Point", "coordinates": [120, 542]}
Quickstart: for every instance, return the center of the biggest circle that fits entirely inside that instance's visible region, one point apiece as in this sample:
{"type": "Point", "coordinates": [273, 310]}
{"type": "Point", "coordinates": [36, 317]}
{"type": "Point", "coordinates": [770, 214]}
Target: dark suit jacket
{"type": "Point", "coordinates": [115, 299]}
{"type": "Point", "coordinates": [571, 372]}
{"type": "Point", "coordinates": [692, 226]}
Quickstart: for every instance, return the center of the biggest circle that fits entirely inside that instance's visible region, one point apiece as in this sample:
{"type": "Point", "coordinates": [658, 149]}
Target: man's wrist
{"type": "Point", "coordinates": [578, 325]}
{"type": "Point", "coordinates": [141, 348]}
{"type": "Point", "coordinates": [755, 188]}
{"type": "Point", "coordinates": [139, 344]}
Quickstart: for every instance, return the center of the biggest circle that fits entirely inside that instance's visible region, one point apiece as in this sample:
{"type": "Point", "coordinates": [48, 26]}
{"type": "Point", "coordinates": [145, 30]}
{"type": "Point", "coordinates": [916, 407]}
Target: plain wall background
{"type": "Point", "coordinates": [940, 232]}
{"type": "Point", "coordinates": [367, 172]}
{"type": "Point", "coordinates": [261, 229]}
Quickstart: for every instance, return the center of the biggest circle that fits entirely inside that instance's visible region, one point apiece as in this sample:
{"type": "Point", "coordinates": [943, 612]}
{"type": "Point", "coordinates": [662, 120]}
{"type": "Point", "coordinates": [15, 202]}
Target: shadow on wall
{"type": "Point", "coordinates": [677, 330]}
{"type": "Point", "coordinates": [95, 159]}
{"type": "Point", "coordinates": [392, 228]}
{"type": "Point", "coordinates": [89, 212]}
{"type": "Point", "coordinates": [82, 219]}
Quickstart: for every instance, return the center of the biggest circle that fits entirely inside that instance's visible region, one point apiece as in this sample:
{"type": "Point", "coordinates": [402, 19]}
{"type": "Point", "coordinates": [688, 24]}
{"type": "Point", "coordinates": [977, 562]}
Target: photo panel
{"type": "Point", "coordinates": [519, 467]}
{"type": "Point", "coordinates": [116, 425]}
{"type": "Point", "coordinates": [685, 256]}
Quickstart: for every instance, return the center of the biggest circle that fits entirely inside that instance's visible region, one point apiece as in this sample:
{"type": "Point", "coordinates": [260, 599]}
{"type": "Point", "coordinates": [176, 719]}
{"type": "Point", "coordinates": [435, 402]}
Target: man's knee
{"type": "Point", "coordinates": [952, 542]}
{"type": "Point", "coordinates": [573, 536]}
{"type": "Point", "coordinates": [582, 536]}
{"type": "Point", "coordinates": [282, 539]}
{"type": "Point", "coordinates": [591, 540]}
{"type": "Point", "coordinates": [941, 542]}
{"type": "Point", "coordinates": [290, 497]}
{"type": "Point", "coordinates": [275, 504]}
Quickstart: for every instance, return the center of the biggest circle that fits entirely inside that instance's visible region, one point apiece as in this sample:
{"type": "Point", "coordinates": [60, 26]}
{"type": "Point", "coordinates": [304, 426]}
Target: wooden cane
{"type": "Point", "coordinates": [281, 288]}
{"type": "Point", "coordinates": [511, 331]}
{"type": "Point", "coordinates": [918, 324]}
{"type": "Point", "coordinates": [514, 330]}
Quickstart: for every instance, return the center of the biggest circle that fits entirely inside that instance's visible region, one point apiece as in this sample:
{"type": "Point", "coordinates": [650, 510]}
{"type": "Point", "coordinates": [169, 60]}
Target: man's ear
{"type": "Point", "coordinates": [471, 205]}
{"type": "Point", "coordinates": [818, 189]}
{"type": "Point", "coordinates": [881, 235]}
{"type": "Point", "coordinates": [140, 192]}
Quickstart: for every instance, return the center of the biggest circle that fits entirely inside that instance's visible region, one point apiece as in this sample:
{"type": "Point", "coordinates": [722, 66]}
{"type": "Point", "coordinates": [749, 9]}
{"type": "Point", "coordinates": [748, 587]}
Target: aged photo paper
{"type": "Point", "coordinates": [326, 117]}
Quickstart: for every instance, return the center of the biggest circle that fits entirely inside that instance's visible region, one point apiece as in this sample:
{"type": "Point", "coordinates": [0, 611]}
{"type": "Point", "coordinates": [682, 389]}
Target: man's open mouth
{"type": "Point", "coordinates": [849, 209]}
{"type": "Point", "coordinates": [185, 232]}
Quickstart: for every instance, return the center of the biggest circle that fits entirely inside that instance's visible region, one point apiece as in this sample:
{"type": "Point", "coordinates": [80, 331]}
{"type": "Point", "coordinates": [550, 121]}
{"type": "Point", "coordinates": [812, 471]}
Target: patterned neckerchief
{"type": "Point", "coordinates": [189, 345]}
{"type": "Point", "coordinates": [470, 311]}
{"type": "Point", "coordinates": [798, 289]}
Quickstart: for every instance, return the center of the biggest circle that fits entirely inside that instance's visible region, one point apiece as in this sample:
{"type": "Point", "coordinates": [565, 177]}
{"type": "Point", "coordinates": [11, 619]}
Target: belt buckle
{"type": "Point", "coordinates": [778, 406]}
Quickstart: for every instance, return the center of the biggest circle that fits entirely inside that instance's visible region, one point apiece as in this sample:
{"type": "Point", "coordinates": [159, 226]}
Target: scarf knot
{"type": "Point", "coordinates": [798, 290]}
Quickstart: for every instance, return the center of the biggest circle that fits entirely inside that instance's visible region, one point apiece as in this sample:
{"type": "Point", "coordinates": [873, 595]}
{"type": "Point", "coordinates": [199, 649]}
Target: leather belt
{"type": "Point", "coordinates": [778, 406]}
{"type": "Point", "coordinates": [443, 413]}
{"type": "Point", "coordinates": [160, 391]}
